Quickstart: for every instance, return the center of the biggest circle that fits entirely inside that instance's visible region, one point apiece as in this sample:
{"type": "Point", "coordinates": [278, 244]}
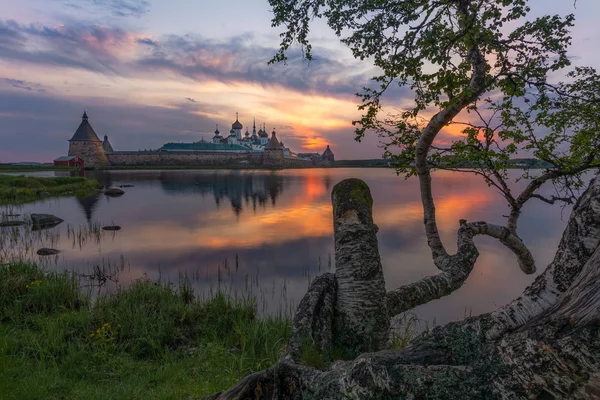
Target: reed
{"type": "Point", "coordinates": [146, 341]}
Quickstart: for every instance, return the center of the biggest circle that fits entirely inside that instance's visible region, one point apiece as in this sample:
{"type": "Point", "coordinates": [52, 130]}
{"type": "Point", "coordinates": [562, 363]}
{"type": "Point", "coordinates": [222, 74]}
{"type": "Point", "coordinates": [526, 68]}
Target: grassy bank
{"type": "Point", "coordinates": [146, 342]}
{"type": "Point", "coordinates": [23, 189]}
{"type": "Point", "coordinates": [33, 168]}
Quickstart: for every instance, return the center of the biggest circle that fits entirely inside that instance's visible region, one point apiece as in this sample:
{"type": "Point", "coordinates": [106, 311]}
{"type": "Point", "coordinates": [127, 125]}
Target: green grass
{"type": "Point", "coordinates": [31, 168]}
{"type": "Point", "coordinates": [148, 341]}
{"type": "Point", "coordinates": [23, 189]}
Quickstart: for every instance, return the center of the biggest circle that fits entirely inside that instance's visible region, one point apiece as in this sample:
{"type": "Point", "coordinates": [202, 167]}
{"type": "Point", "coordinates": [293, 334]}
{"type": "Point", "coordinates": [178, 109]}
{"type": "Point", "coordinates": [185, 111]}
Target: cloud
{"type": "Point", "coordinates": [94, 48]}
{"type": "Point", "coordinates": [240, 60]}
{"type": "Point", "coordinates": [309, 104]}
{"type": "Point", "coordinates": [37, 126]}
{"type": "Point", "coordinates": [116, 8]}
{"type": "Point", "coordinates": [20, 84]}
{"type": "Point", "coordinates": [113, 50]}
{"type": "Point", "coordinates": [147, 41]}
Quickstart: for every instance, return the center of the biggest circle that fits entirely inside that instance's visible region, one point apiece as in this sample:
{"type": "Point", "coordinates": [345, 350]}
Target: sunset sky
{"type": "Point", "coordinates": [155, 71]}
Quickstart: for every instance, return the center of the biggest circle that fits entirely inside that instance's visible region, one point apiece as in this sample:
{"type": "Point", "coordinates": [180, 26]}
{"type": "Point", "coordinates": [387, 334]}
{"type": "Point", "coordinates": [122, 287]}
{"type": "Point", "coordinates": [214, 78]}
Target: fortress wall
{"type": "Point", "coordinates": [296, 162]}
{"type": "Point", "coordinates": [134, 158]}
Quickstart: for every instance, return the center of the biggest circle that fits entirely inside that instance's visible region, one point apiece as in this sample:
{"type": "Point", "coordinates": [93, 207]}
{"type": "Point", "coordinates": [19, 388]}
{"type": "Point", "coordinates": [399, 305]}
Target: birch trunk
{"type": "Point", "coordinates": [361, 322]}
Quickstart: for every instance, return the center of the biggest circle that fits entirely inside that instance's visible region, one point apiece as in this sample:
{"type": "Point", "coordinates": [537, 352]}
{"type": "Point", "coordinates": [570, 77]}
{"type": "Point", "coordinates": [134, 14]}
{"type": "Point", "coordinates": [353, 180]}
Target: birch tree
{"type": "Point", "coordinates": [485, 65]}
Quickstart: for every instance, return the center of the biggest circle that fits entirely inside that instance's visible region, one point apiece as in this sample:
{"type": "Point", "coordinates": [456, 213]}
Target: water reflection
{"type": "Point", "coordinates": [275, 232]}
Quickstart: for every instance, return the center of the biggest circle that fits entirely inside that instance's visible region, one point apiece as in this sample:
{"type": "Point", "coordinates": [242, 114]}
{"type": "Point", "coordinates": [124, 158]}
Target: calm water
{"type": "Point", "coordinates": [278, 226]}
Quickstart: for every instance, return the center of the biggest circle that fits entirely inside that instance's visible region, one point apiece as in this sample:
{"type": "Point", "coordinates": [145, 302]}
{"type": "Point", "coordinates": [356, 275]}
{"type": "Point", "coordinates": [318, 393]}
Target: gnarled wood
{"type": "Point", "coordinates": [361, 321]}
{"type": "Point", "coordinates": [580, 239]}
{"type": "Point", "coordinates": [458, 268]}
{"type": "Point", "coordinates": [313, 322]}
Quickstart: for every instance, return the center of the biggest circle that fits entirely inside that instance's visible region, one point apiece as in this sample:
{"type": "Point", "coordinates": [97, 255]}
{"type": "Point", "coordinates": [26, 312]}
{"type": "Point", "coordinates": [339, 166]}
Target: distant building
{"type": "Point", "coordinates": [85, 148]}
{"type": "Point", "coordinates": [205, 147]}
{"type": "Point", "coordinates": [106, 145]}
{"type": "Point", "coordinates": [328, 155]}
{"type": "Point", "coordinates": [69, 161]}
{"type": "Point", "coordinates": [86, 145]}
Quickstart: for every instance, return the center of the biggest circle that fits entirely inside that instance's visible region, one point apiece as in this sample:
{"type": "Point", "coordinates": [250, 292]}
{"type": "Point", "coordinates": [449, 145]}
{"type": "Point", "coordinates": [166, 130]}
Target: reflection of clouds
{"type": "Point", "coordinates": [172, 225]}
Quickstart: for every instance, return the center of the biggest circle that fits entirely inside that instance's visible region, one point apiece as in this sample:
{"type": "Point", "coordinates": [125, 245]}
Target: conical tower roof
{"type": "Point", "coordinates": [327, 152]}
{"type": "Point", "coordinates": [85, 132]}
{"type": "Point", "coordinates": [273, 142]}
{"type": "Point", "coordinates": [106, 144]}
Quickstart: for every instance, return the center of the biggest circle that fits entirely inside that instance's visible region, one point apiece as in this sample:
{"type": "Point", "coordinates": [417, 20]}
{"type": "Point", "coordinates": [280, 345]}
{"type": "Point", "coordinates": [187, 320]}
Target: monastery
{"type": "Point", "coordinates": [248, 149]}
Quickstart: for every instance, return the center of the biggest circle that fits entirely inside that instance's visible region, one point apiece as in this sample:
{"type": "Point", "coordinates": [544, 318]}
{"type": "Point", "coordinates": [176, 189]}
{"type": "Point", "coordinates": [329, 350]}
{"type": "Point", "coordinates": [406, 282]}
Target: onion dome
{"type": "Point", "coordinates": [263, 132]}
{"type": "Point", "coordinates": [236, 124]}
{"type": "Point", "coordinates": [217, 133]}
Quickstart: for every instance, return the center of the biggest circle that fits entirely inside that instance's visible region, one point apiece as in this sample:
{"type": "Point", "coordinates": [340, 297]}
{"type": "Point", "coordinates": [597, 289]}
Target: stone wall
{"type": "Point", "coordinates": [273, 157]}
{"type": "Point", "coordinates": [91, 152]}
{"type": "Point", "coordinates": [137, 158]}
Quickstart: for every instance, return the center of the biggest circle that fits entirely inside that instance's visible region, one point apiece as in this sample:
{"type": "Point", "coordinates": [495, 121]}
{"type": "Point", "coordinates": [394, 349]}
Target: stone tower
{"type": "Point", "coordinates": [86, 145]}
{"type": "Point", "coordinates": [273, 153]}
{"type": "Point", "coordinates": [328, 156]}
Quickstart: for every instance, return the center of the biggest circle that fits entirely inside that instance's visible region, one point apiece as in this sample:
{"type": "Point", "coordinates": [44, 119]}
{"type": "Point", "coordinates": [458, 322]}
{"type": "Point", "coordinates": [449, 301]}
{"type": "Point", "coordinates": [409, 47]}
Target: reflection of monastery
{"type": "Point", "coordinates": [235, 149]}
{"type": "Point", "coordinates": [242, 190]}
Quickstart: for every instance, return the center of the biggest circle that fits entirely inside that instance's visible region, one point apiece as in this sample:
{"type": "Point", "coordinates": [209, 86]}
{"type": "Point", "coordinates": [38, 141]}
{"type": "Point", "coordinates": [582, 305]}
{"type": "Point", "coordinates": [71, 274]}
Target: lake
{"type": "Point", "coordinates": [271, 232]}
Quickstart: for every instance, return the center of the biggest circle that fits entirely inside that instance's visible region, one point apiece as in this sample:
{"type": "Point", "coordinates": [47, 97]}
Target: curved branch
{"type": "Point", "coordinates": [437, 122]}
{"type": "Point", "coordinates": [510, 240]}
{"type": "Point", "coordinates": [458, 267]}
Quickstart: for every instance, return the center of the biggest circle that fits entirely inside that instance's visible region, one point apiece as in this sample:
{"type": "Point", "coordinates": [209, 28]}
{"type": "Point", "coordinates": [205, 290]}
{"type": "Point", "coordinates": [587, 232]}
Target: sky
{"type": "Point", "coordinates": [150, 72]}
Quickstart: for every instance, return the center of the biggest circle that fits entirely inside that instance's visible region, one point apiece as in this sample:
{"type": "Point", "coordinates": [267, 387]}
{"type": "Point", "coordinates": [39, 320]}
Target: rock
{"type": "Point", "coordinates": [125, 186]}
{"type": "Point", "coordinates": [11, 223]}
{"type": "Point", "coordinates": [67, 193]}
{"type": "Point", "coordinates": [44, 194]}
{"type": "Point", "coordinates": [112, 228]}
{"type": "Point", "coordinates": [44, 221]}
{"type": "Point", "coordinates": [47, 252]}
{"type": "Point", "coordinates": [114, 192]}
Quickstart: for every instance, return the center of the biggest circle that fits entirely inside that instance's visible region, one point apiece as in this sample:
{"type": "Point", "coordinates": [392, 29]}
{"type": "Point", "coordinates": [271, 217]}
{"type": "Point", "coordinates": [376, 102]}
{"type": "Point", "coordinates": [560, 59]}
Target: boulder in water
{"type": "Point", "coordinates": [44, 221]}
{"type": "Point", "coordinates": [112, 228]}
{"type": "Point", "coordinates": [114, 192]}
{"type": "Point", "coordinates": [47, 252]}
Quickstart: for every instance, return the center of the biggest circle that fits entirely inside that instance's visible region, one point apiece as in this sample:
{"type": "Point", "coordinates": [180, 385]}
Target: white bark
{"type": "Point", "coordinates": [579, 241]}
{"type": "Point", "coordinates": [361, 322]}
{"type": "Point", "coordinates": [436, 123]}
